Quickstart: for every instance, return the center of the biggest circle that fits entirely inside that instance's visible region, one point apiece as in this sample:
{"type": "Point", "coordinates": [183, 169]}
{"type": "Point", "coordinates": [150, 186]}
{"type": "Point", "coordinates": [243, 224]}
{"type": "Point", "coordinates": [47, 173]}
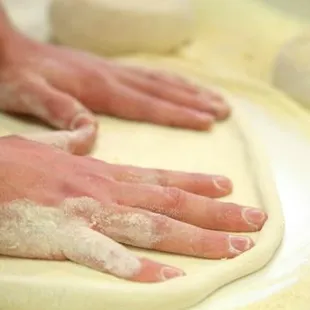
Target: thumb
{"type": "Point", "coordinates": [60, 110]}
{"type": "Point", "coordinates": [54, 107]}
{"type": "Point", "coordinates": [79, 142]}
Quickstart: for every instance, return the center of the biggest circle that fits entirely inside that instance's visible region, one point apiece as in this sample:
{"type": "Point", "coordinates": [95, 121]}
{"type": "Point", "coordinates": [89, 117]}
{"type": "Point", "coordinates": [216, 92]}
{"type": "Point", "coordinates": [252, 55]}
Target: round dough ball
{"type": "Point", "coordinates": [121, 26]}
{"type": "Point", "coordinates": [292, 69]}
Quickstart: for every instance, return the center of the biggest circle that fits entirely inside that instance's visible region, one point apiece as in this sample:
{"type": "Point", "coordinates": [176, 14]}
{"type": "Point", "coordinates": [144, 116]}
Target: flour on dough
{"type": "Point", "coordinates": [118, 26]}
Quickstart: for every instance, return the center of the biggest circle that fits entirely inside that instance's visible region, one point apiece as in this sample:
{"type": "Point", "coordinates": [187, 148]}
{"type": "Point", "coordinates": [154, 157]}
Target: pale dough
{"type": "Point", "coordinates": [117, 26]}
{"type": "Point", "coordinates": [232, 149]}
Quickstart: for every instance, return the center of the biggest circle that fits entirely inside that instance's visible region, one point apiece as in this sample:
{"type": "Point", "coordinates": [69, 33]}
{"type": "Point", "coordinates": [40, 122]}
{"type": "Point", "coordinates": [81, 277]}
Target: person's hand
{"type": "Point", "coordinates": [61, 86]}
{"type": "Point", "coordinates": [55, 205]}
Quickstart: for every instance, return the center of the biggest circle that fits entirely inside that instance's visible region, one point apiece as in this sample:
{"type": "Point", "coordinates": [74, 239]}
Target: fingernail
{"type": "Point", "coordinates": [222, 184]}
{"type": "Point", "coordinates": [209, 100]}
{"type": "Point", "coordinates": [254, 217]}
{"type": "Point", "coordinates": [218, 105]}
{"type": "Point", "coordinates": [82, 120]}
{"type": "Point", "coordinates": [167, 273]}
{"type": "Point", "coordinates": [238, 244]}
{"type": "Point", "coordinates": [205, 116]}
{"type": "Point", "coordinates": [87, 129]}
{"type": "Point", "coordinates": [221, 110]}
{"type": "Point", "coordinates": [206, 100]}
{"type": "Point", "coordinates": [205, 120]}
{"type": "Point", "coordinates": [215, 104]}
{"type": "Point", "coordinates": [85, 132]}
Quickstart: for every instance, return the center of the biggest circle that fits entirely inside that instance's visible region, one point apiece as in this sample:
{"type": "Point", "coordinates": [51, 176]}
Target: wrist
{"type": "Point", "coordinates": [8, 34]}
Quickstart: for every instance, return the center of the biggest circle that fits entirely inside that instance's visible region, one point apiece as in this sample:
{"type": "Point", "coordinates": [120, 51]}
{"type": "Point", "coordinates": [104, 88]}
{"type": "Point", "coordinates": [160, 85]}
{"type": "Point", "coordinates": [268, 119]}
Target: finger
{"type": "Point", "coordinates": [170, 79]}
{"type": "Point", "coordinates": [153, 231]}
{"type": "Point", "coordinates": [79, 142]}
{"type": "Point", "coordinates": [130, 104]}
{"type": "Point", "coordinates": [190, 208]}
{"type": "Point", "coordinates": [173, 92]}
{"type": "Point", "coordinates": [110, 97]}
{"type": "Point", "coordinates": [90, 248]}
{"type": "Point", "coordinates": [153, 75]}
{"type": "Point", "coordinates": [38, 98]}
{"type": "Point", "coordinates": [213, 186]}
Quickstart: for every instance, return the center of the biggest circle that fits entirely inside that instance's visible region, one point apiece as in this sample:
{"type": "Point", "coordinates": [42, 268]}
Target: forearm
{"type": "Point", "coordinates": [7, 31]}
{"type": "Point", "coordinates": [5, 24]}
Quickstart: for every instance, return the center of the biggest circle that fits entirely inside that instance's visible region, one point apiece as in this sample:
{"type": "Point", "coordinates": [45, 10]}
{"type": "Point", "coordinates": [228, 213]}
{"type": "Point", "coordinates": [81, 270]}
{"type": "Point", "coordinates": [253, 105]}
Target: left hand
{"type": "Point", "coordinates": [61, 86]}
{"type": "Point", "coordinates": [78, 208]}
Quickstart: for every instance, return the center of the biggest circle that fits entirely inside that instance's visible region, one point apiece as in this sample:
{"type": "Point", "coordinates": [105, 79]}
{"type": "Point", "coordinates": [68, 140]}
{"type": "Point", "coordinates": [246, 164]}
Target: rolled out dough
{"type": "Point", "coordinates": [232, 149]}
{"type": "Point", "coordinates": [117, 26]}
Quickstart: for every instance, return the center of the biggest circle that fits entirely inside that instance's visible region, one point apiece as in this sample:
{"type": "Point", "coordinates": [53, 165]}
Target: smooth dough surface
{"type": "Point", "coordinates": [116, 26]}
{"type": "Point", "coordinates": [232, 149]}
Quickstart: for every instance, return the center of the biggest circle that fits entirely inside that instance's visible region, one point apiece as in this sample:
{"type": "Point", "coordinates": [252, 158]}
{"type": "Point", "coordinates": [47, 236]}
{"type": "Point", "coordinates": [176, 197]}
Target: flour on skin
{"type": "Point", "coordinates": [34, 231]}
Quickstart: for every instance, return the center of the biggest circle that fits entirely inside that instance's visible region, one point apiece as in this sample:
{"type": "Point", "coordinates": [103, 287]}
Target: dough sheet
{"type": "Point", "coordinates": [232, 149]}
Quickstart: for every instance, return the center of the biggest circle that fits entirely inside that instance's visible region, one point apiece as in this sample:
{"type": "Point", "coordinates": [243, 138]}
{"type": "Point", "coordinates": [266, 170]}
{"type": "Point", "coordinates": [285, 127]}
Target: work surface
{"type": "Point", "coordinates": [283, 127]}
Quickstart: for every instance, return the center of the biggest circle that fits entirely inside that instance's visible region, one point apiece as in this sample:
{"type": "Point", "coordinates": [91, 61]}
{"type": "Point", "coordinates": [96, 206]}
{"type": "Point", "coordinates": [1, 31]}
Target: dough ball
{"type": "Point", "coordinates": [292, 69]}
{"type": "Point", "coordinates": [112, 27]}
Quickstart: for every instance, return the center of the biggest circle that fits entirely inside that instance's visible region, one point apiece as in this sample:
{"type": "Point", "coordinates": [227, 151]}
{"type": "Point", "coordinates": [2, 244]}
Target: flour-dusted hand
{"type": "Point", "coordinates": [55, 205]}
{"type": "Point", "coordinates": [61, 86]}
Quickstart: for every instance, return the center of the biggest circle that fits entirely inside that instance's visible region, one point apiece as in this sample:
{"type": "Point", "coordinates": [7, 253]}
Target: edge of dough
{"type": "Point", "coordinates": [248, 262]}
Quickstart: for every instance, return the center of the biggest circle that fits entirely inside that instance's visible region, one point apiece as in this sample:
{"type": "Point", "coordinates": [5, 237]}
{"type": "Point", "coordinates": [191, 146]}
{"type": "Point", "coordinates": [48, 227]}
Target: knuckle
{"type": "Point", "coordinates": [80, 207]}
{"type": "Point", "coordinates": [176, 197]}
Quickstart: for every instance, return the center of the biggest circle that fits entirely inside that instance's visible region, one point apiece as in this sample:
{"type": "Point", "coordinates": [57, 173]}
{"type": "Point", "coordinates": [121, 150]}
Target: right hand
{"type": "Point", "coordinates": [55, 205]}
{"type": "Point", "coordinates": [62, 87]}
